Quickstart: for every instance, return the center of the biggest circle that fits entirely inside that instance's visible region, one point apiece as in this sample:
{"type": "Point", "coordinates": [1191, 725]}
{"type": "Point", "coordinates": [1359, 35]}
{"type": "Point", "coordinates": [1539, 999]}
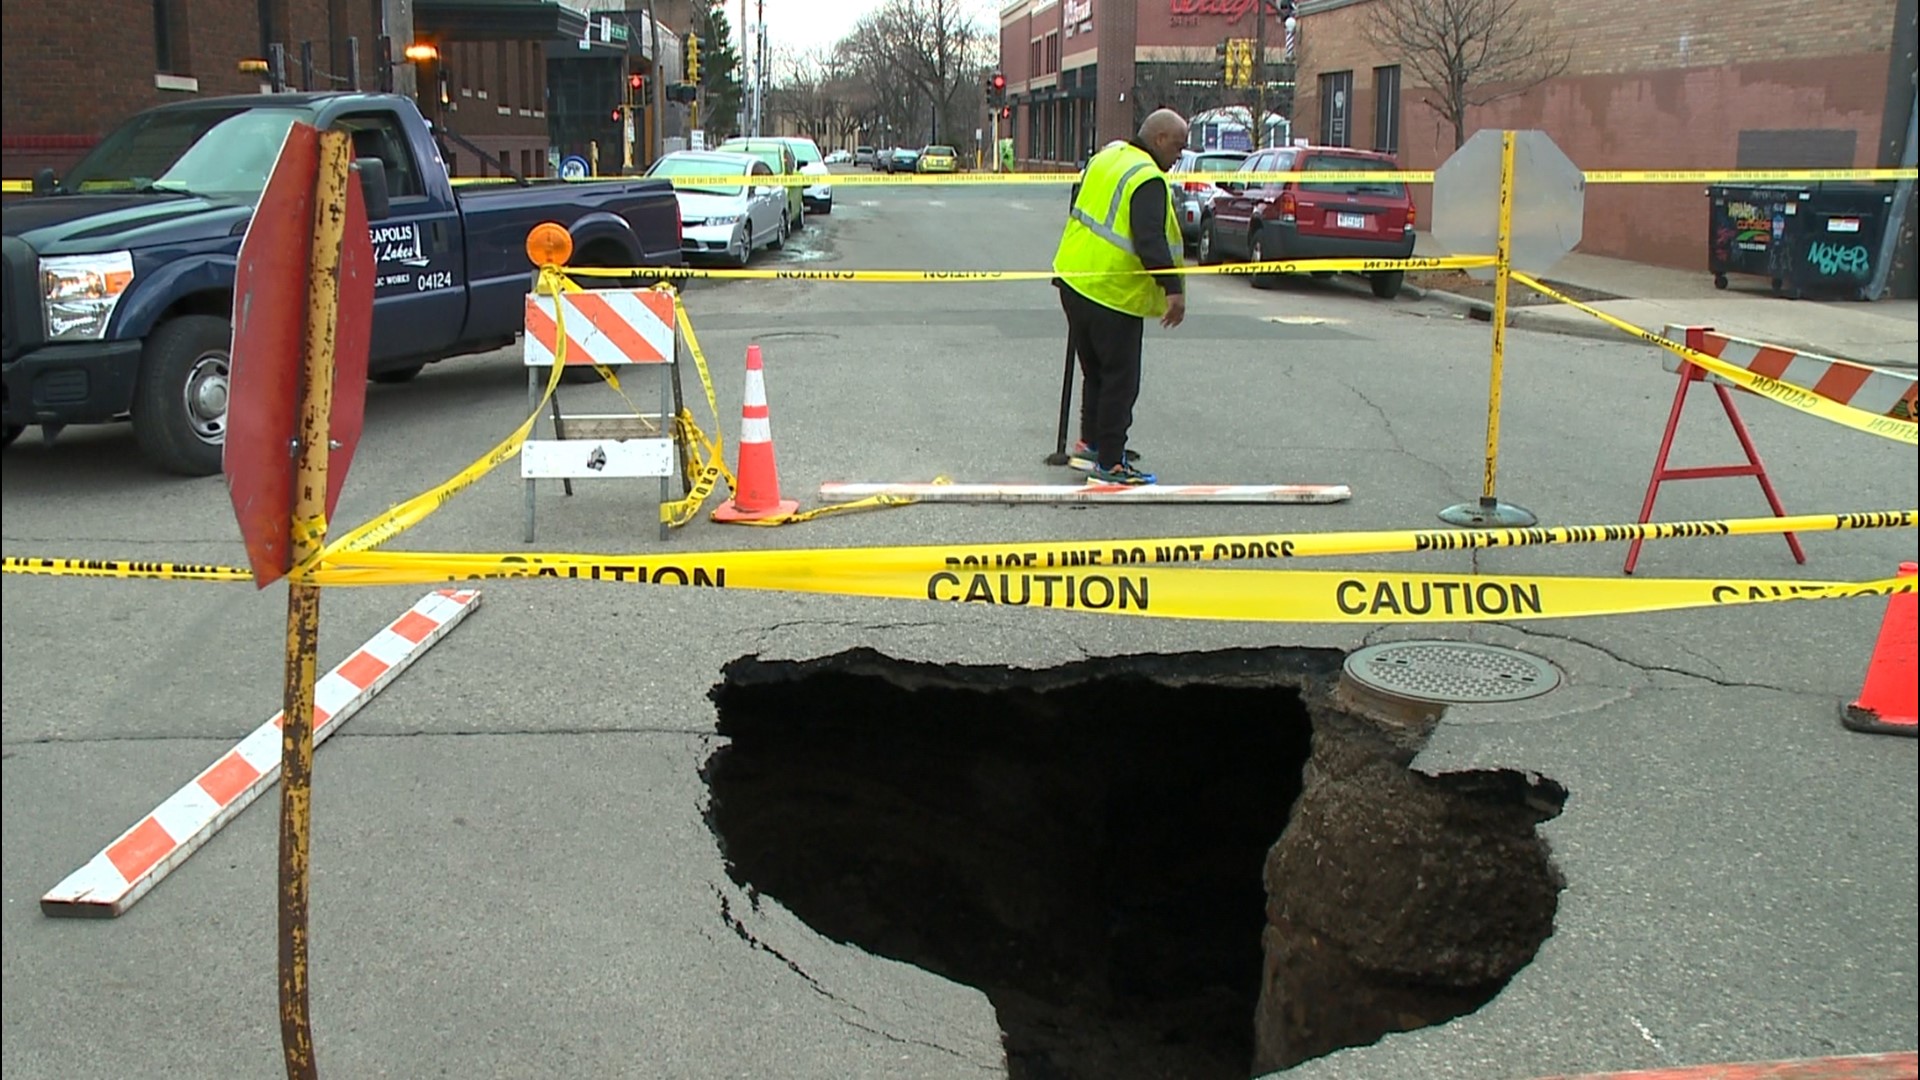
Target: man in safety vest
{"type": "Point", "coordinates": [1121, 227]}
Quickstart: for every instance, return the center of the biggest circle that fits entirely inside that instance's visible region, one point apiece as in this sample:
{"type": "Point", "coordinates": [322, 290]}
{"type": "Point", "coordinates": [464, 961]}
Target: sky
{"type": "Point", "coordinates": [801, 25]}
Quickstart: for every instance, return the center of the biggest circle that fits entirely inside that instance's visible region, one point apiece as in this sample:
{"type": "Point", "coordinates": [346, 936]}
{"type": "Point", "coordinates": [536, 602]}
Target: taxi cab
{"type": "Point", "coordinates": [938, 159]}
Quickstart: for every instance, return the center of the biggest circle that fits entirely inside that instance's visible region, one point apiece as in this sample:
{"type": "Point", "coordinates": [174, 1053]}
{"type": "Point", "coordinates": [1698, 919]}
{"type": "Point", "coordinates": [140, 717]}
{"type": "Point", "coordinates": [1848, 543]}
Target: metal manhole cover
{"type": "Point", "coordinates": [1451, 672]}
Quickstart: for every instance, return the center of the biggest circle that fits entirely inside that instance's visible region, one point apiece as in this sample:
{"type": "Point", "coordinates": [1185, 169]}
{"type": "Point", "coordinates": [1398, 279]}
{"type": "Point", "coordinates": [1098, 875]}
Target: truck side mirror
{"type": "Point", "coordinates": [44, 182]}
{"type": "Point", "coordinates": [373, 185]}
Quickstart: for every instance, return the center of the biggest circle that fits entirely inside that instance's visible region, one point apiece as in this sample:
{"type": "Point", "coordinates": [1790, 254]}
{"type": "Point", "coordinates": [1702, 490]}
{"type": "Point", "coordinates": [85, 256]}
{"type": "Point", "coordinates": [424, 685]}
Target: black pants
{"type": "Point", "coordinates": [1108, 344]}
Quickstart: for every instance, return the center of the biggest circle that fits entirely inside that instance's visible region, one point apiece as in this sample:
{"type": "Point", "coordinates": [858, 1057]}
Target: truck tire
{"type": "Point", "coordinates": [1386, 283]}
{"type": "Point", "coordinates": [180, 399]}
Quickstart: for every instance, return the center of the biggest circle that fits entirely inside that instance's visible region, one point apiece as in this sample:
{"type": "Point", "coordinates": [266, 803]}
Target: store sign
{"type": "Point", "coordinates": [1188, 12]}
{"type": "Point", "coordinates": [1077, 15]}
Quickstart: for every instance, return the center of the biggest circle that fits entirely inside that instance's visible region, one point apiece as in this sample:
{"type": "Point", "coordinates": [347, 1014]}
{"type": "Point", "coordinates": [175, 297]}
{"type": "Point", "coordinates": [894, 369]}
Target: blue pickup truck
{"type": "Point", "coordinates": [117, 295]}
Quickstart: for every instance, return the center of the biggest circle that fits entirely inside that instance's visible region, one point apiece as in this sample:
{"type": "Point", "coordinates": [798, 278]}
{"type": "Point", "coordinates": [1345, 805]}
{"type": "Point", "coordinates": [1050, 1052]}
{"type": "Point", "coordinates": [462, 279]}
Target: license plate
{"type": "Point", "coordinates": [1843, 224]}
{"type": "Point", "coordinates": [1350, 221]}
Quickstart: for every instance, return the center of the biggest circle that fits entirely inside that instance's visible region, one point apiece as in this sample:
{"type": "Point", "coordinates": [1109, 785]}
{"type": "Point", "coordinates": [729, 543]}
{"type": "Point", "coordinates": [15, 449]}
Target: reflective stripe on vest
{"type": "Point", "coordinates": [1104, 229]}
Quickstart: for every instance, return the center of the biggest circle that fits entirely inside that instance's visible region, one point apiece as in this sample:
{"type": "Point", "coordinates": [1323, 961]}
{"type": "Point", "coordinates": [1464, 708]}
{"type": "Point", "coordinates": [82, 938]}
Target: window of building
{"type": "Point", "coordinates": [503, 79]}
{"type": "Point", "coordinates": [1053, 53]}
{"type": "Point", "coordinates": [1336, 104]}
{"type": "Point", "coordinates": [1386, 109]}
{"type": "Point", "coordinates": [1035, 52]}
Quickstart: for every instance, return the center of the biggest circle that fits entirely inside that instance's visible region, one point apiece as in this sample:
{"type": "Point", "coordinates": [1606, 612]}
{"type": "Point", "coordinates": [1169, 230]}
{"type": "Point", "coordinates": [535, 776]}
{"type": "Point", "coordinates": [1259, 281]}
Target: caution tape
{"type": "Point", "coordinates": [1793, 397]}
{"type": "Point", "coordinates": [1238, 547]}
{"type": "Point", "coordinates": [1290, 596]}
{"type": "Point", "coordinates": [123, 569]}
{"type": "Point", "coordinates": [1330, 176]}
{"type": "Point", "coordinates": [898, 277]}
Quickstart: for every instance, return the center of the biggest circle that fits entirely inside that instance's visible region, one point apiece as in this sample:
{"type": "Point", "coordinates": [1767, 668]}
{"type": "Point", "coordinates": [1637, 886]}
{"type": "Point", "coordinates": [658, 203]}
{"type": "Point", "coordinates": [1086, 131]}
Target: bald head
{"type": "Point", "coordinates": [1164, 133]}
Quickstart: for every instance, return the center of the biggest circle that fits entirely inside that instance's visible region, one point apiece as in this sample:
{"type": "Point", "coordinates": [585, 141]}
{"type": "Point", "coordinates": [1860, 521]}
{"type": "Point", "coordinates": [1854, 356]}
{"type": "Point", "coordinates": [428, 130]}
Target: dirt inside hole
{"type": "Point", "coordinates": [1094, 848]}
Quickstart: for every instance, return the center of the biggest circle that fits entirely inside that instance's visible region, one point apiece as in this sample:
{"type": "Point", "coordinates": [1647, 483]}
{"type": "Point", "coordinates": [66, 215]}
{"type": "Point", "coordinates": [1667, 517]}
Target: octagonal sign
{"type": "Point", "coordinates": [1549, 201]}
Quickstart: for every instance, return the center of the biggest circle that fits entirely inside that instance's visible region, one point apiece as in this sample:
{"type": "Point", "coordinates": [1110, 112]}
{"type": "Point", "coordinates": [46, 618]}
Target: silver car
{"type": "Point", "coordinates": [1190, 197]}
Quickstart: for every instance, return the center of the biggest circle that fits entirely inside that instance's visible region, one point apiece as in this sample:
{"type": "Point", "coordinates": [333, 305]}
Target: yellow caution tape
{"type": "Point", "coordinates": [1793, 397]}
{"type": "Point", "coordinates": [1330, 176]}
{"type": "Point", "coordinates": [406, 515]}
{"type": "Point", "coordinates": [1329, 596]}
{"type": "Point", "coordinates": [1036, 555]}
{"type": "Point", "coordinates": [16, 186]}
{"type": "Point", "coordinates": [897, 277]}
{"type": "Point", "coordinates": [124, 569]}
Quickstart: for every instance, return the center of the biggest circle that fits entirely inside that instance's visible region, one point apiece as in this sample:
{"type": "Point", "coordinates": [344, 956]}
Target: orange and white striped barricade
{"type": "Point", "coordinates": [1888, 393]}
{"type": "Point", "coordinates": [623, 329]}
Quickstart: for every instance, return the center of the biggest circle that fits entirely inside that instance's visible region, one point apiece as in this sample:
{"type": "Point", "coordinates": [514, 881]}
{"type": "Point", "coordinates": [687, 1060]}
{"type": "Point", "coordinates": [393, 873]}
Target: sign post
{"type": "Point", "coordinates": [303, 316]}
{"type": "Point", "coordinates": [1516, 192]}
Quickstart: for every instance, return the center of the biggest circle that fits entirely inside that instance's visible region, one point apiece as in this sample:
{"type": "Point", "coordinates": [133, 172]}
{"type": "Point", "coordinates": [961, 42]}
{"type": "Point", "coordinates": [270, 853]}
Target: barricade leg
{"type": "Point", "coordinates": [1689, 374]}
{"type": "Point", "coordinates": [533, 402]}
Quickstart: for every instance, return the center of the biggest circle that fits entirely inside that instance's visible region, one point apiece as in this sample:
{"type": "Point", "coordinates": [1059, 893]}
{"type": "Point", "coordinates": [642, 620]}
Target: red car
{"type": "Point", "coordinates": [1302, 219]}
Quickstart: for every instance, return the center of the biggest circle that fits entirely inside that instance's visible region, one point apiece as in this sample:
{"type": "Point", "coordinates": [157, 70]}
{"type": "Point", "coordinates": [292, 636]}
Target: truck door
{"type": "Point", "coordinates": [420, 295]}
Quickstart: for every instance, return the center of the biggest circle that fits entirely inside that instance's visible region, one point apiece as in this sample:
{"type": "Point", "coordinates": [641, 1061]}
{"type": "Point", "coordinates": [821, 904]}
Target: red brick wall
{"type": "Point", "coordinates": [76, 70]}
{"type": "Point", "coordinates": [1651, 84]}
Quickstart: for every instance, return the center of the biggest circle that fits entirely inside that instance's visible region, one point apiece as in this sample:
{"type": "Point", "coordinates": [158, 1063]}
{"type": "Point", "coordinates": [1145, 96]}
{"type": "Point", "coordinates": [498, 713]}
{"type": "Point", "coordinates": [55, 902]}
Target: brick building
{"type": "Point", "coordinates": [1650, 84]}
{"type": "Point", "coordinates": [70, 74]}
{"type": "Point", "coordinates": [1081, 73]}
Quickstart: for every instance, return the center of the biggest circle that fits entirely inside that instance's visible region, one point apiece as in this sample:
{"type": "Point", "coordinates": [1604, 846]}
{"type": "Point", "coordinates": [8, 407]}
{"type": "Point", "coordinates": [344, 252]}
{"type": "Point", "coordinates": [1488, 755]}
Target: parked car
{"type": "Point", "coordinates": [779, 157]}
{"type": "Point", "coordinates": [1304, 219]}
{"type": "Point", "coordinates": [817, 198]}
{"type": "Point", "coordinates": [902, 159]}
{"type": "Point", "coordinates": [874, 156]}
{"type": "Point", "coordinates": [118, 277]}
{"type": "Point", "coordinates": [1191, 197]}
{"type": "Point", "coordinates": [732, 221]}
{"type": "Point", "coordinates": [840, 157]}
{"type": "Point", "coordinates": [938, 159]}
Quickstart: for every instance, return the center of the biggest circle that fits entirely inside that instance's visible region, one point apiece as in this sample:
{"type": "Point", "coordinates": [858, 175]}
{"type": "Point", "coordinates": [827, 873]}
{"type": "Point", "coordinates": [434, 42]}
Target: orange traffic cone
{"type": "Point", "coordinates": [756, 495]}
{"type": "Point", "coordinates": [1886, 703]}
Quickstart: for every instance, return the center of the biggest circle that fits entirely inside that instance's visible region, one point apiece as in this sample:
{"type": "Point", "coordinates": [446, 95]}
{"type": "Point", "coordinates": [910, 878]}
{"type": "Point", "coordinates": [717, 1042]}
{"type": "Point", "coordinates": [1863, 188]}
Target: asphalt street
{"type": "Point", "coordinates": [512, 874]}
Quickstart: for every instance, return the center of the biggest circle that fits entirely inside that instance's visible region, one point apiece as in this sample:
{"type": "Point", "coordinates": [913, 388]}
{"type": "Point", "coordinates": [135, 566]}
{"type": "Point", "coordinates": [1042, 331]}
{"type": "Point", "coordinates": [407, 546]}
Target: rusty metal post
{"type": "Point", "coordinates": [303, 598]}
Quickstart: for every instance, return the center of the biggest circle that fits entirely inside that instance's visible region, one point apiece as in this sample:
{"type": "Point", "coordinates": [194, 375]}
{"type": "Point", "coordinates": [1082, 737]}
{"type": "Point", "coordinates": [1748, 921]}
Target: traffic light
{"type": "Point", "coordinates": [616, 114]}
{"type": "Point", "coordinates": [636, 83]}
{"type": "Point", "coordinates": [1238, 68]}
{"type": "Point", "coordinates": [693, 59]}
{"type": "Point", "coordinates": [1006, 112]}
{"type": "Point", "coordinates": [996, 88]}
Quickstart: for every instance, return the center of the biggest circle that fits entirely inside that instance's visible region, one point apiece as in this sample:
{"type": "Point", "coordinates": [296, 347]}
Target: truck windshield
{"type": "Point", "coordinates": [674, 165]}
{"type": "Point", "coordinates": [226, 153]}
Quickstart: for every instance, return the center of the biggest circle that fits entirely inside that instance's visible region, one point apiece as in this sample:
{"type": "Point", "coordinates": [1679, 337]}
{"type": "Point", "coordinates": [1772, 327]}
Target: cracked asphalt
{"type": "Point", "coordinates": [512, 873]}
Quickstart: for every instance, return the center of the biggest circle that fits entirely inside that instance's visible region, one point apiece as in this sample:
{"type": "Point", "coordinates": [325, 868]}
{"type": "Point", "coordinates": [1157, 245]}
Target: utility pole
{"type": "Point", "coordinates": [760, 69]}
{"type": "Point", "coordinates": [1259, 74]}
{"type": "Point", "coordinates": [745, 65]}
{"type": "Point", "coordinates": [656, 145]}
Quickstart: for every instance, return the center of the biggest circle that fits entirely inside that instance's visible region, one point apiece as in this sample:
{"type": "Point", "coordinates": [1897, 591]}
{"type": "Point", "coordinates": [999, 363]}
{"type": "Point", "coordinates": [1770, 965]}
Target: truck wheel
{"type": "Point", "coordinates": [180, 400]}
{"type": "Point", "coordinates": [13, 432]}
{"type": "Point", "coordinates": [396, 376]}
{"type": "Point", "coordinates": [1386, 283]}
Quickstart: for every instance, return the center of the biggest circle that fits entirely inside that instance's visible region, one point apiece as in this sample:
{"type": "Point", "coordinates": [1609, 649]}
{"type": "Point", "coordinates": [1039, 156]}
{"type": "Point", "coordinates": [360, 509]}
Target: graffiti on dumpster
{"type": "Point", "coordinates": [1838, 260]}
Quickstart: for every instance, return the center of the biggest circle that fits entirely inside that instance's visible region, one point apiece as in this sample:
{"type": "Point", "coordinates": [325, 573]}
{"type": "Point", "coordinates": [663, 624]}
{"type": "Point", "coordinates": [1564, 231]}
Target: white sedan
{"type": "Point", "coordinates": [840, 157]}
{"type": "Point", "coordinates": [731, 220]}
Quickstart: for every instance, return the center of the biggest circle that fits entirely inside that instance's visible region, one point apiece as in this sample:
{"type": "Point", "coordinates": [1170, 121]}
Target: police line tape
{"type": "Point", "coordinates": [1317, 596]}
{"type": "Point", "coordinates": [1023, 555]}
{"type": "Point", "coordinates": [1344, 176]}
{"type": "Point", "coordinates": [1793, 397]}
{"type": "Point", "coordinates": [900, 277]}
{"type": "Point", "coordinates": [1330, 176]}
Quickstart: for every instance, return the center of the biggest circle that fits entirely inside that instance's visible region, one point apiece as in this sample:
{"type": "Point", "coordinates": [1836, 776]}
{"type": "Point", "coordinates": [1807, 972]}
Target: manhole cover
{"type": "Point", "coordinates": [1451, 672]}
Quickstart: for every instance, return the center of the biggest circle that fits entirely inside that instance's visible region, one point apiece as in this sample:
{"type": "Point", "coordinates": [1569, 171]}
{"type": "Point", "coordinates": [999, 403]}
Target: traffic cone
{"type": "Point", "coordinates": [1886, 705]}
{"type": "Point", "coordinates": [756, 495]}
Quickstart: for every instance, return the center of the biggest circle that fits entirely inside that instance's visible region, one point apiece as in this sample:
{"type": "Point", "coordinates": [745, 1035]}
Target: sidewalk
{"type": "Point", "coordinates": [1885, 332]}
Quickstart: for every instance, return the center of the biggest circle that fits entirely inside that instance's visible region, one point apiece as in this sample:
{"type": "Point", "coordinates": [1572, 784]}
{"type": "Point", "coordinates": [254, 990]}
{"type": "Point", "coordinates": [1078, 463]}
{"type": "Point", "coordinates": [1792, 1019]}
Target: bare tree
{"type": "Point", "coordinates": [924, 62]}
{"type": "Point", "coordinates": [1468, 53]}
{"type": "Point", "coordinates": [1186, 80]}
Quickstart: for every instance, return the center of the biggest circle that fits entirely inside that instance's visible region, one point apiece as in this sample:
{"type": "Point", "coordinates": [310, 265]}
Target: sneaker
{"type": "Point", "coordinates": [1123, 473]}
{"type": "Point", "coordinates": [1086, 457]}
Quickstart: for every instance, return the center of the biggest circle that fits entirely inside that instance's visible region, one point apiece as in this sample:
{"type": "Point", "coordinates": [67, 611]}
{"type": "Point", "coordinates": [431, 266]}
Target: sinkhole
{"type": "Point", "coordinates": [1200, 865]}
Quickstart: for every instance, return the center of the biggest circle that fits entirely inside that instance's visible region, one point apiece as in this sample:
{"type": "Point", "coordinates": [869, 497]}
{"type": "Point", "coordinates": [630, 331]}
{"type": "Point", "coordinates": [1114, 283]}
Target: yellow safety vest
{"type": "Point", "coordinates": [1099, 234]}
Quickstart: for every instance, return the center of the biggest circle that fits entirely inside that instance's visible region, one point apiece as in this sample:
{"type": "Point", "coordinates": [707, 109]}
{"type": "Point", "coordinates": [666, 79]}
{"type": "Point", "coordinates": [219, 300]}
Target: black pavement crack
{"type": "Point", "coordinates": [1716, 680]}
{"type": "Point", "coordinates": [1399, 446]}
{"type": "Point", "coordinates": [849, 624]}
{"type": "Point", "coordinates": [740, 930]}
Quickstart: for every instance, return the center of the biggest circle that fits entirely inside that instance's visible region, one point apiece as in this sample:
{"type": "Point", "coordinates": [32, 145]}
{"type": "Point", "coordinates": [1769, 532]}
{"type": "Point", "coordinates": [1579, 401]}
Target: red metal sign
{"type": "Point", "coordinates": [269, 332]}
